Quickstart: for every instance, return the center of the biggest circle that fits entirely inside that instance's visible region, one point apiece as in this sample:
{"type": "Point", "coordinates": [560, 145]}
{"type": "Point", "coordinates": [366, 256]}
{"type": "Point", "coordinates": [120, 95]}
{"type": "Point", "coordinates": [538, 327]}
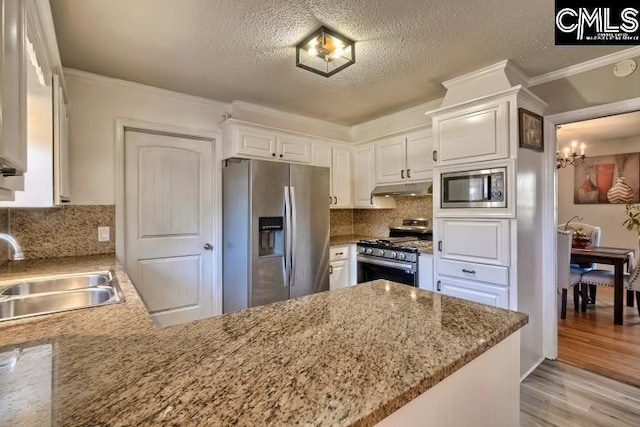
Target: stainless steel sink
{"type": "Point", "coordinates": [52, 294]}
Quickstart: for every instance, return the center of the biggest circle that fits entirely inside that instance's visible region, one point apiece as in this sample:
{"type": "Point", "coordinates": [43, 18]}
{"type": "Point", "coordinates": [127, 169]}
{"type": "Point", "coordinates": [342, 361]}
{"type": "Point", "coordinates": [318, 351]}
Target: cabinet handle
{"type": "Point", "coordinates": [280, 155]}
{"type": "Point", "coordinates": [402, 174]}
{"type": "Point", "coordinates": [371, 200]}
{"type": "Point", "coordinates": [331, 269]}
{"type": "Point", "coordinates": [435, 155]}
{"type": "Point", "coordinates": [273, 154]}
{"type": "Point", "coordinates": [335, 200]}
{"type": "Point", "coordinates": [8, 172]}
{"type": "Point", "coordinates": [439, 286]}
{"type": "Point", "coordinates": [408, 173]}
{"type": "Point", "coordinates": [339, 253]}
{"type": "Point", "coordinates": [439, 245]}
{"type": "Point", "coordinates": [330, 199]}
{"type": "Point", "coordinates": [464, 270]}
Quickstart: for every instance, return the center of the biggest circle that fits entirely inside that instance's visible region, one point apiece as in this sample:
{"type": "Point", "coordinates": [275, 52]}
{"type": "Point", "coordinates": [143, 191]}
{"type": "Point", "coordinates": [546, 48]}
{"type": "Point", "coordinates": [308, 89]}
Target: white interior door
{"type": "Point", "coordinates": [169, 224]}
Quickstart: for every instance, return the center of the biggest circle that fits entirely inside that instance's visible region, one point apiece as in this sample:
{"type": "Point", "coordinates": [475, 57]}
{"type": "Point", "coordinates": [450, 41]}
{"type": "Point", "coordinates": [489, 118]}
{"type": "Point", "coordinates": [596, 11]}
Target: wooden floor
{"type": "Point", "coordinates": [591, 341]}
{"type": "Point", "coordinates": [557, 394]}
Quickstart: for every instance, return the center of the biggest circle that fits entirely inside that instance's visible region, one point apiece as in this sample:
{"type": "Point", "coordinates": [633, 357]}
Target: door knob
{"type": "Point", "coordinates": [208, 246]}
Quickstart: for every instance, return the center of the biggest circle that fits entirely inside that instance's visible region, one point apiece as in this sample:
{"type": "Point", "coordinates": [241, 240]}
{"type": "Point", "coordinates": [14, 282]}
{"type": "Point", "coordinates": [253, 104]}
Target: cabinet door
{"type": "Point", "coordinates": [341, 182]}
{"type": "Point", "coordinates": [293, 149]}
{"type": "Point", "coordinates": [60, 145]}
{"type": "Point", "coordinates": [420, 156]}
{"type": "Point", "coordinates": [321, 155]}
{"type": "Point", "coordinates": [496, 296]}
{"type": "Point", "coordinates": [339, 277]}
{"type": "Point", "coordinates": [425, 272]}
{"type": "Point", "coordinates": [256, 143]}
{"type": "Point", "coordinates": [473, 135]}
{"type": "Point", "coordinates": [390, 160]}
{"type": "Point", "coordinates": [363, 176]}
{"type": "Point", "coordinates": [474, 240]}
{"type": "Point", "coordinates": [13, 87]}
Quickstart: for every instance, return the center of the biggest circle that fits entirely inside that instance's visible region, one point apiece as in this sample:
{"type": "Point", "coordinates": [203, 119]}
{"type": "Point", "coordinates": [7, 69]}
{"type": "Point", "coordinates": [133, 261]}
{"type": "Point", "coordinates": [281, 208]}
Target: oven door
{"type": "Point", "coordinates": [375, 268]}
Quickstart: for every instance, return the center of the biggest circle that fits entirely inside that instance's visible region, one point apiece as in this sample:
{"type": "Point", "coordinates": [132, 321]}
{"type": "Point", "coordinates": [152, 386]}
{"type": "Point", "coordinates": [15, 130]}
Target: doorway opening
{"type": "Point", "coordinates": [592, 195]}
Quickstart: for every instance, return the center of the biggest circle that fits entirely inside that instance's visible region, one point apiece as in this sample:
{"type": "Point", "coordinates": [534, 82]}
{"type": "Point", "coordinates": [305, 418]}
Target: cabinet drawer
{"type": "Point", "coordinates": [338, 252]}
{"type": "Point", "coordinates": [496, 296]}
{"type": "Point", "coordinates": [483, 241]}
{"type": "Point", "coordinates": [473, 271]}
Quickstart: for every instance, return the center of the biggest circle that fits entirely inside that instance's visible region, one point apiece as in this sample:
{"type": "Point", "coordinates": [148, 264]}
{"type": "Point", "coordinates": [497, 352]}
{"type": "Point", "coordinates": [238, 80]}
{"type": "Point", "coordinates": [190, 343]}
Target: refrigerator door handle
{"type": "Point", "coordinates": [292, 246]}
{"type": "Point", "coordinates": [287, 241]}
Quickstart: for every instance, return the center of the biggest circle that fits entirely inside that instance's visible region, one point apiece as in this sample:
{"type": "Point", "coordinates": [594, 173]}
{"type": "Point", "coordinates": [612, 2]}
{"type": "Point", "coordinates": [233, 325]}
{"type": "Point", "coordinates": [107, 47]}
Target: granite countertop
{"type": "Point", "coordinates": [345, 357]}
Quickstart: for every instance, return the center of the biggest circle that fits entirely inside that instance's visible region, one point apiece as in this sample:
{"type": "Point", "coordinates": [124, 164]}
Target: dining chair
{"type": "Point", "coordinates": [595, 234]}
{"type": "Point", "coordinates": [599, 277]}
{"type": "Point", "coordinates": [566, 276]}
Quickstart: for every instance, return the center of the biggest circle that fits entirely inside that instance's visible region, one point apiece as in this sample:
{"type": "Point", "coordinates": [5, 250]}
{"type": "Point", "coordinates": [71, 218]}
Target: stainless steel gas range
{"type": "Point", "coordinates": [391, 258]}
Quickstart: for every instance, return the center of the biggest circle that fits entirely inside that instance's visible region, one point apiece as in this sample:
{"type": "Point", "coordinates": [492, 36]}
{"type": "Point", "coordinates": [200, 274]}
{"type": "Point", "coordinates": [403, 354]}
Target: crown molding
{"type": "Point", "coordinates": [146, 88]}
{"type": "Point", "coordinates": [292, 117]}
{"type": "Point", "coordinates": [585, 66]}
{"type": "Point", "coordinates": [484, 72]}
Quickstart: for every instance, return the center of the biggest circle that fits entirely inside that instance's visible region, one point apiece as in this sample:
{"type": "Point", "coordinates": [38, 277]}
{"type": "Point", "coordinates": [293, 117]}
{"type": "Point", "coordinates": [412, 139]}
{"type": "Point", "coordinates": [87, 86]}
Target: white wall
{"type": "Point", "coordinates": [96, 102]}
{"type": "Point", "coordinates": [609, 217]}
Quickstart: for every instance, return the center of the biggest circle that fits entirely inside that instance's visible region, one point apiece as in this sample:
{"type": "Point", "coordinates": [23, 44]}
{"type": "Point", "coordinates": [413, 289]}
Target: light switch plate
{"type": "Point", "coordinates": [103, 234]}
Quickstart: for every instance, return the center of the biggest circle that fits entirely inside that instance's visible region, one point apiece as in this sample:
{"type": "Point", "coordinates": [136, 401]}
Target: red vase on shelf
{"type": "Point", "coordinates": [604, 179]}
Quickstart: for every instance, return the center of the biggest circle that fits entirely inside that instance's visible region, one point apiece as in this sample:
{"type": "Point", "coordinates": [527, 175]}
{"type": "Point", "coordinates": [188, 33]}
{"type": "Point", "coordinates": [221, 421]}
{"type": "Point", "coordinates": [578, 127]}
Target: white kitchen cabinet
{"type": "Point", "coordinates": [472, 133]}
{"type": "Point", "coordinates": [425, 271]}
{"type": "Point", "coordinates": [340, 266]}
{"type": "Point", "coordinates": [341, 177]}
{"type": "Point", "coordinates": [405, 158]}
{"type": "Point", "coordinates": [61, 192]}
{"type": "Point", "coordinates": [248, 140]}
{"type": "Point", "coordinates": [497, 296]}
{"type": "Point", "coordinates": [364, 181]}
{"type": "Point", "coordinates": [337, 158]}
{"type": "Point", "coordinates": [13, 93]}
{"type": "Point", "coordinates": [473, 240]}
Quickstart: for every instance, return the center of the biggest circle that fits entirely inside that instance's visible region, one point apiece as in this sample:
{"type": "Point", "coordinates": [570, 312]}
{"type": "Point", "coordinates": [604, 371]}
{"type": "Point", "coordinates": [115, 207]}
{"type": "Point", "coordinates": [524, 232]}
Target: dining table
{"type": "Point", "coordinates": [617, 257]}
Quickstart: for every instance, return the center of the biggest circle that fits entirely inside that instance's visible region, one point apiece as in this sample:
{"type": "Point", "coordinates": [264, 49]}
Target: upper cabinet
{"type": "Point", "coordinates": [46, 182]}
{"type": "Point", "coordinates": [13, 90]}
{"type": "Point", "coordinates": [248, 140]}
{"type": "Point", "coordinates": [404, 158]}
{"type": "Point", "coordinates": [472, 134]}
{"type": "Point", "coordinates": [337, 158]}
{"type": "Point", "coordinates": [364, 180]}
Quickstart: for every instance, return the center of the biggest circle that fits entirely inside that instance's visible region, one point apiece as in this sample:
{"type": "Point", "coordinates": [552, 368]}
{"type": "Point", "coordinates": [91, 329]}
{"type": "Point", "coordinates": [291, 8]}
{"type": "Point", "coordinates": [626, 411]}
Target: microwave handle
{"type": "Point", "coordinates": [487, 188]}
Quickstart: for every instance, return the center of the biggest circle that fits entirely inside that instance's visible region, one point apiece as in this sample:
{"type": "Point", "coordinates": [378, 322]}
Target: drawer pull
{"type": "Point", "coordinates": [464, 270]}
{"type": "Point", "coordinates": [339, 253]}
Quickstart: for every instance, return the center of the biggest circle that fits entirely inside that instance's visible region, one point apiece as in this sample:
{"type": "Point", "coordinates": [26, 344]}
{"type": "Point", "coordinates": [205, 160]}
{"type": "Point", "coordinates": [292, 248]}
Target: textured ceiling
{"type": "Point", "coordinates": [609, 128]}
{"type": "Point", "coordinates": [244, 49]}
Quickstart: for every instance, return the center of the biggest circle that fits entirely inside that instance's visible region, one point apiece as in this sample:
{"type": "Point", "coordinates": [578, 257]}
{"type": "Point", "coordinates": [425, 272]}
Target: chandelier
{"type": "Point", "coordinates": [570, 156]}
{"type": "Point", "coordinates": [325, 52]}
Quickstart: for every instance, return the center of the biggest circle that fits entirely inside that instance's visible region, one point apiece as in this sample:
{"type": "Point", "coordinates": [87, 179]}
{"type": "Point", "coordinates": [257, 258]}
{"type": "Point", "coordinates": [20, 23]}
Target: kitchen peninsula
{"type": "Point", "coordinates": [352, 356]}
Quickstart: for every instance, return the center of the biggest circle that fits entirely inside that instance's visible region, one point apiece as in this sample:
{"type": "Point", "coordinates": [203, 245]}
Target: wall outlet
{"type": "Point", "coordinates": [103, 234]}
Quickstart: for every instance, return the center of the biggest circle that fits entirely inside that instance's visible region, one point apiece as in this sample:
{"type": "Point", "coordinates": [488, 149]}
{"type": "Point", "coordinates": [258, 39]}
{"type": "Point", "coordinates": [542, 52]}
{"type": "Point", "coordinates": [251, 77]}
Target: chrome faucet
{"type": "Point", "coordinates": [17, 250]}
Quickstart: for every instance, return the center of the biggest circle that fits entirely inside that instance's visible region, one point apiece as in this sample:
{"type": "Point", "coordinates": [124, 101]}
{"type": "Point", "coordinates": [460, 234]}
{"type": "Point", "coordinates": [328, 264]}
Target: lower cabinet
{"type": "Point", "coordinates": [342, 266]}
{"type": "Point", "coordinates": [425, 271]}
{"type": "Point", "coordinates": [497, 296]}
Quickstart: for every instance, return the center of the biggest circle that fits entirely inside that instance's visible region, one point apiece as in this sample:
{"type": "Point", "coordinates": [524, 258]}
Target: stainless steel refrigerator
{"type": "Point", "coordinates": [275, 232]}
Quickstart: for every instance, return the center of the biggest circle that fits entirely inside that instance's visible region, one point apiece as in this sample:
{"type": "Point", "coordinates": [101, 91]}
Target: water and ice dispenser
{"type": "Point", "coordinates": [271, 240]}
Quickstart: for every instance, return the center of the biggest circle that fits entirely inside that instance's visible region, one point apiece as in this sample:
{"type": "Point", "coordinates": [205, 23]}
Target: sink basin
{"type": "Point", "coordinates": [53, 294]}
{"type": "Point", "coordinates": [56, 283]}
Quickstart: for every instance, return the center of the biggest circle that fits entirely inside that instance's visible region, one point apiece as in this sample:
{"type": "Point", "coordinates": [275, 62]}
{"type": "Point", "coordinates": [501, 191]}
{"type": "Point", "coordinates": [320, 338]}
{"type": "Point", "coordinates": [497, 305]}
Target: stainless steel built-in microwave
{"type": "Point", "coordinates": [485, 188]}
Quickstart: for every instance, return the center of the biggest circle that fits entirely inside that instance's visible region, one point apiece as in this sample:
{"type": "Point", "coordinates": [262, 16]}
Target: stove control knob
{"type": "Point", "coordinates": [369, 251]}
{"type": "Point", "coordinates": [402, 256]}
{"type": "Point", "coordinates": [394, 255]}
{"type": "Point", "coordinates": [380, 252]}
{"type": "Point", "coordinates": [361, 250]}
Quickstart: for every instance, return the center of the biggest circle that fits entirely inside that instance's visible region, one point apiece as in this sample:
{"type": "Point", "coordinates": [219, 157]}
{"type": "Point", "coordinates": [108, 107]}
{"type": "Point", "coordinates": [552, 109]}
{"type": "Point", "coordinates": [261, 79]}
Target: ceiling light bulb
{"type": "Point", "coordinates": [313, 51]}
{"type": "Point", "coordinates": [338, 52]}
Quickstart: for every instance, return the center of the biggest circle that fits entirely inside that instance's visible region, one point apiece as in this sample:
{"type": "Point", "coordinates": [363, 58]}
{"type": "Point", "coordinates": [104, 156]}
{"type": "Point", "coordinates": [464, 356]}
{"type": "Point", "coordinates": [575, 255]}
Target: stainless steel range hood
{"type": "Point", "coordinates": [412, 189]}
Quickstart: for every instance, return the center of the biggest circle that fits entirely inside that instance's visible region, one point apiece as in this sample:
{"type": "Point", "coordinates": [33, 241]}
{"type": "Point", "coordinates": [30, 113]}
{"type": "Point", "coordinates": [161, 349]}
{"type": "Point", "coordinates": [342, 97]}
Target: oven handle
{"type": "Point", "coordinates": [393, 264]}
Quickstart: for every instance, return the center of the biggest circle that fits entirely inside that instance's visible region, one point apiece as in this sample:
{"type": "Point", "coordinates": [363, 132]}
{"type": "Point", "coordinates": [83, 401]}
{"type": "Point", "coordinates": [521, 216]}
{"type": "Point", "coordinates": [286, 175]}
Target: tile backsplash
{"type": "Point", "coordinates": [56, 232]}
{"type": "Point", "coordinates": [376, 222]}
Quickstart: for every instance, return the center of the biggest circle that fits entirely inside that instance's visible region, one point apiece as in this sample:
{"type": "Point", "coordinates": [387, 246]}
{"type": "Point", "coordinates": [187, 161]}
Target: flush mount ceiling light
{"type": "Point", "coordinates": [325, 52]}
